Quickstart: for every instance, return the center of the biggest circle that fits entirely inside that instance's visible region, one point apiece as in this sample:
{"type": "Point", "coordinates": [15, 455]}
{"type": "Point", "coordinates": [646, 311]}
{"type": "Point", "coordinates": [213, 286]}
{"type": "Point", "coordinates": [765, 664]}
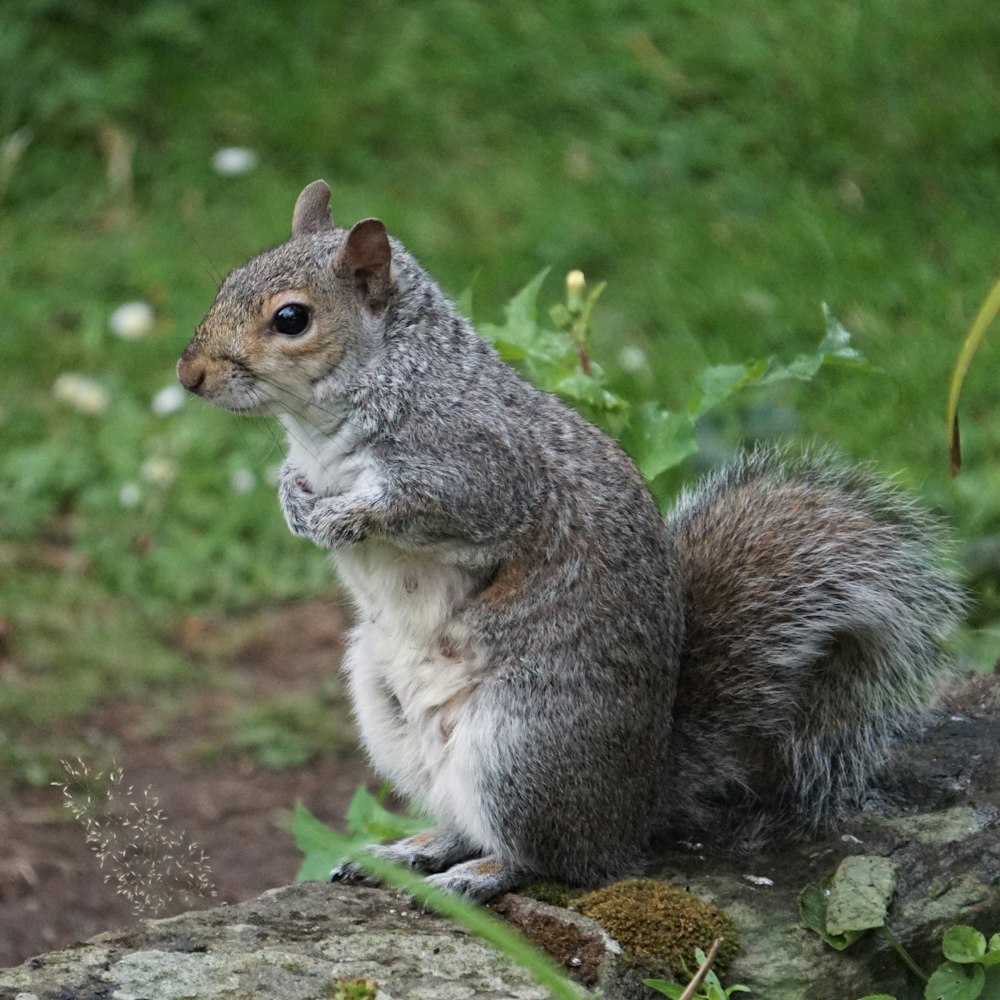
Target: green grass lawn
{"type": "Point", "coordinates": [725, 168]}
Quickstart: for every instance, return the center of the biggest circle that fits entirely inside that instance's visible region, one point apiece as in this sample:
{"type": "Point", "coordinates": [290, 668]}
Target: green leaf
{"type": "Point", "coordinates": [813, 903]}
{"type": "Point", "coordinates": [991, 990]}
{"type": "Point", "coordinates": [658, 439]}
{"type": "Point", "coordinates": [953, 982]}
{"type": "Point", "coordinates": [519, 337]}
{"type": "Point", "coordinates": [859, 893]}
{"type": "Point", "coordinates": [712, 986]}
{"type": "Point", "coordinates": [310, 834]}
{"type": "Point", "coordinates": [578, 385]}
{"type": "Point", "coordinates": [837, 342]}
{"type": "Point", "coordinates": [522, 310]}
{"type": "Point", "coordinates": [963, 944]}
{"type": "Point", "coordinates": [323, 849]}
{"type": "Point", "coordinates": [368, 822]}
{"type": "Point", "coordinates": [367, 817]}
{"type": "Point", "coordinates": [672, 990]}
{"type": "Point", "coordinates": [465, 301]}
{"type": "Point", "coordinates": [992, 956]}
{"type": "Point", "coordinates": [835, 348]}
{"type": "Point", "coordinates": [717, 384]}
{"type": "Point", "coordinates": [877, 996]}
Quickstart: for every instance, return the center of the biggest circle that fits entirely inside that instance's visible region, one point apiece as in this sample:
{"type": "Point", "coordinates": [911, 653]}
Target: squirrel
{"type": "Point", "coordinates": [557, 674]}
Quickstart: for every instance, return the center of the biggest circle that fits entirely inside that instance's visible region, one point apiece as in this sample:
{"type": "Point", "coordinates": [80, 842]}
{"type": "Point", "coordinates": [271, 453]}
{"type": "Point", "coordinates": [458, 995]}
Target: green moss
{"type": "Point", "coordinates": [658, 923]}
{"type": "Point", "coordinates": [553, 893]}
{"type": "Point", "coordinates": [355, 989]}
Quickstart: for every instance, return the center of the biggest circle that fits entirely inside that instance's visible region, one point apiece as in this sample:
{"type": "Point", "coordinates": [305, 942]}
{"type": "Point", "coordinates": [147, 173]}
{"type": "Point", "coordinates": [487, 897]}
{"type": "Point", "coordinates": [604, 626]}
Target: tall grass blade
{"type": "Point", "coordinates": [987, 313]}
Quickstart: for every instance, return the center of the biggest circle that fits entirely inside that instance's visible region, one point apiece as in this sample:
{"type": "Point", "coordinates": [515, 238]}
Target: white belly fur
{"type": "Point", "coordinates": [412, 671]}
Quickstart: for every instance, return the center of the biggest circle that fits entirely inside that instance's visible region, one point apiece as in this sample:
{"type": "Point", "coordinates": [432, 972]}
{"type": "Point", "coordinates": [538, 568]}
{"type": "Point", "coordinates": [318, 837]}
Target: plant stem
{"type": "Point", "coordinates": [903, 953]}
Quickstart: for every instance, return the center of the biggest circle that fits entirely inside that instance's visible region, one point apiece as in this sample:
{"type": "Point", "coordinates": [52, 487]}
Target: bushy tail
{"type": "Point", "coordinates": [817, 600]}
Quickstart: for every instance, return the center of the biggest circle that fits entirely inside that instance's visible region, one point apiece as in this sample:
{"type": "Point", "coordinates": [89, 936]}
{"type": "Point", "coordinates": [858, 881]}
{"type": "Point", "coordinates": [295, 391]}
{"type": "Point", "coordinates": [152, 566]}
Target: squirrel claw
{"type": "Point", "coordinates": [351, 874]}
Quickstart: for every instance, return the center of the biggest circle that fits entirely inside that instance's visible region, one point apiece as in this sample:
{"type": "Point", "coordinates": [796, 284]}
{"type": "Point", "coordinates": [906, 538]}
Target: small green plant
{"type": "Point", "coordinates": [704, 980]}
{"type": "Point", "coordinates": [855, 899]}
{"type": "Point", "coordinates": [657, 437]}
{"type": "Point", "coordinates": [971, 967]}
{"type": "Point", "coordinates": [852, 901]}
{"type": "Point", "coordinates": [355, 989]}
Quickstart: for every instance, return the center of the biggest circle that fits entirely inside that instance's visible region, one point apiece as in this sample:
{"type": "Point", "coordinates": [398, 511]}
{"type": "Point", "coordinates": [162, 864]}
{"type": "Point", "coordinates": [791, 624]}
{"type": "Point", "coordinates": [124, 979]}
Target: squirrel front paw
{"type": "Point", "coordinates": [338, 522]}
{"type": "Point", "coordinates": [298, 501]}
{"type": "Point", "coordinates": [331, 522]}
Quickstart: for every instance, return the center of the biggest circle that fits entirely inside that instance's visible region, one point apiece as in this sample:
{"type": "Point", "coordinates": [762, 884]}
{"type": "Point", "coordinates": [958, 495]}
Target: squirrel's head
{"type": "Point", "coordinates": [291, 317]}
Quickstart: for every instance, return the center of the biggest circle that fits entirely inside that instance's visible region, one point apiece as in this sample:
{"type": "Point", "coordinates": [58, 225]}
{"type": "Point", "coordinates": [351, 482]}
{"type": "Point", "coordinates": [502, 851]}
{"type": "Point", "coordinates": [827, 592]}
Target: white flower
{"type": "Point", "coordinates": [159, 471]}
{"type": "Point", "coordinates": [243, 481]}
{"type": "Point", "coordinates": [81, 393]}
{"type": "Point", "coordinates": [168, 400]}
{"type": "Point", "coordinates": [233, 161]}
{"type": "Point", "coordinates": [632, 359]}
{"type": "Point", "coordinates": [130, 495]}
{"type": "Point", "coordinates": [132, 320]}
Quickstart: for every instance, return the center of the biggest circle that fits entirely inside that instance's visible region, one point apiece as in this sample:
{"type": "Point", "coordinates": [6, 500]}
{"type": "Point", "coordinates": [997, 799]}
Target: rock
{"type": "Point", "coordinates": [945, 840]}
{"type": "Point", "coordinates": [938, 820]}
{"type": "Point", "coordinates": [294, 943]}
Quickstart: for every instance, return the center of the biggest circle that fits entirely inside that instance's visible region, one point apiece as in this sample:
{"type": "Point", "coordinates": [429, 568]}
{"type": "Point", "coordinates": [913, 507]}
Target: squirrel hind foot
{"type": "Point", "coordinates": [481, 879]}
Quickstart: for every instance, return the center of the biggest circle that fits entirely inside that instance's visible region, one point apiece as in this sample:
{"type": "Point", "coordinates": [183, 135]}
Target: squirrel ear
{"type": "Point", "coordinates": [312, 210]}
{"type": "Point", "coordinates": [367, 256]}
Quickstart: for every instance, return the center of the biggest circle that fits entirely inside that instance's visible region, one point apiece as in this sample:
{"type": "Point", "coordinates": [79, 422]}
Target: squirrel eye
{"type": "Point", "coordinates": [291, 320]}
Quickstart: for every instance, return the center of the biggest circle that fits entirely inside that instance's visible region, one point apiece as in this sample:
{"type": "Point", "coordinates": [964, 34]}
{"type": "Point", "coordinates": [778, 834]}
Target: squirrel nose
{"type": "Point", "coordinates": [191, 375]}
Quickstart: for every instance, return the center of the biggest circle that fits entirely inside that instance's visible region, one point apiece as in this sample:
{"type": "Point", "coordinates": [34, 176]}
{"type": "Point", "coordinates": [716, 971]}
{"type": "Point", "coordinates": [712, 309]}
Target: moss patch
{"type": "Point", "coordinates": [656, 922]}
{"type": "Point", "coordinates": [355, 989]}
{"type": "Point", "coordinates": [554, 893]}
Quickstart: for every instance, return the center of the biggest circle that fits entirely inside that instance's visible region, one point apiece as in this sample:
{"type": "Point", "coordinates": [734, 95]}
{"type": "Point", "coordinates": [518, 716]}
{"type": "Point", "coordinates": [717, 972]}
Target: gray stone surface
{"type": "Point", "coordinates": [938, 820]}
{"type": "Point", "coordinates": [292, 943]}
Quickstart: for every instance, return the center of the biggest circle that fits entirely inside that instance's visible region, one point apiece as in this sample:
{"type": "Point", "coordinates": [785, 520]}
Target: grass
{"type": "Point", "coordinates": [726, 169]}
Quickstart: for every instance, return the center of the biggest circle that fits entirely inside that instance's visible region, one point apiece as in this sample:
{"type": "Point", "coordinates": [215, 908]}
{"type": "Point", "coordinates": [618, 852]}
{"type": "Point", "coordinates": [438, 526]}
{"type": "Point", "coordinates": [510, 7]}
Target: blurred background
{"type": "Point", "coordinates": [726, 168]}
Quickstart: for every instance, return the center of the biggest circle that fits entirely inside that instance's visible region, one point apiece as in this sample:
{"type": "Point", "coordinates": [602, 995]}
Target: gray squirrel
{"type": "Point", "coordinates": [553, 672]}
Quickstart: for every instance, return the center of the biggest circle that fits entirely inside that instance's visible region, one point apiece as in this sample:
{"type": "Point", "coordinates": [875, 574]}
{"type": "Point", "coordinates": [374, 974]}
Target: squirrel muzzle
{"type": "Point", "coordinates": [191, 374]}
